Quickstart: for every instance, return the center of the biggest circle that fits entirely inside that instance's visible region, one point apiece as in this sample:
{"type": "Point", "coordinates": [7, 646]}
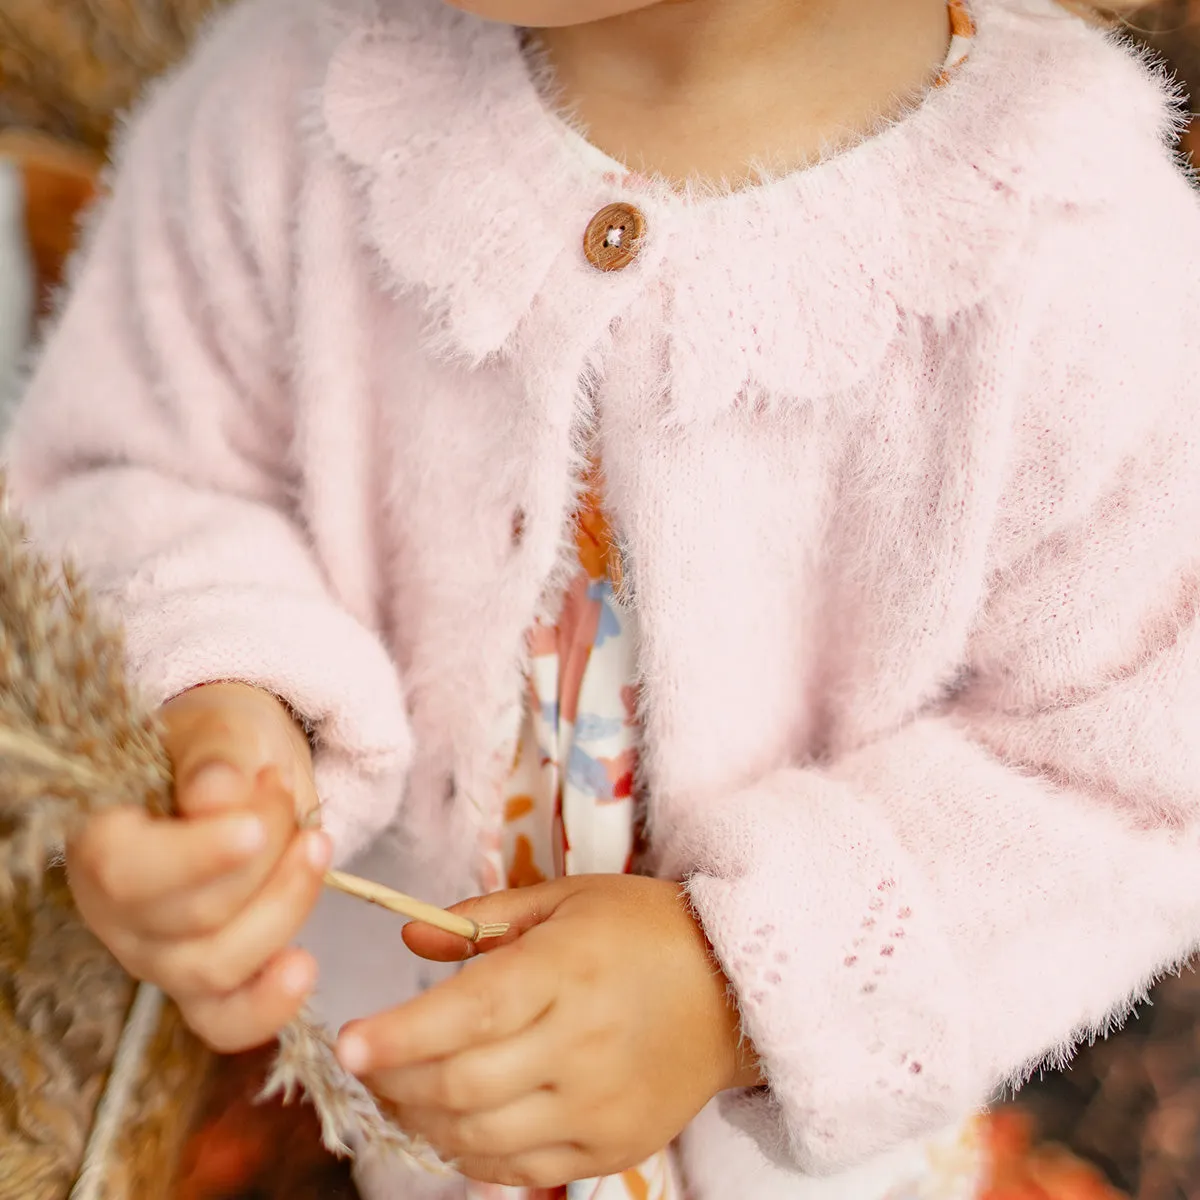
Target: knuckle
{"type": "Point", "coordinates": [204, 915]}
{"type": "Point", "coordinates": [473, 1136]}
{"type": "Point", "coordinates": [485, 1012]}
{"type": "Point", "coordinates": [455, 1089]}
{"type": "Point", "coordinates": [193, 978]}
{"type": "Point", "coordinates": [223, 978]}
{"type": "Point", "coordinates": [198, 971]}
{"type": "Point", "coordinates": [451, 1140]}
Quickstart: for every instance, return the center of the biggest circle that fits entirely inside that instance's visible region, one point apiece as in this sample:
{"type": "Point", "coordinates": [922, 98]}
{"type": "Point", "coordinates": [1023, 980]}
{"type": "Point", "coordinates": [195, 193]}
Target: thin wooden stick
{"type": "Point", "coordinates": [415, 910]}
{"type": "Point", "coordinates": [18, 745]}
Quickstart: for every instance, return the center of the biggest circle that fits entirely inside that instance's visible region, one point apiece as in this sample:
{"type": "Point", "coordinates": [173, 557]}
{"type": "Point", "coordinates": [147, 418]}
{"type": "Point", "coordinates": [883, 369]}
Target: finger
{"type": "Point", "coordinates": [484, 1078]}
{"type": "Point", "coordinates": [254, 1014]}
{"type": "Point", "coordinates": [496, 998]}
{"type": "Point", "coordinates": [129, 858]}
{"type": "Point", "coordinates": [204, 909]}
{"type": "Point", "coordinates": [521, 909]}
{"type": "Point", "coordinates": [528, 1124]}
{"type": "Point", "coordinates": [219, 738]}
{"type": "Point", "coordinates": [550, 1167]}
{"type": "Point", "coordinates": [228, 960]}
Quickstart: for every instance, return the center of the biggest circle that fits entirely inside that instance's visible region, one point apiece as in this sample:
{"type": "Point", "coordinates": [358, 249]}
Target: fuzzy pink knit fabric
{"type": "Point", "coordinates": [902, 452]}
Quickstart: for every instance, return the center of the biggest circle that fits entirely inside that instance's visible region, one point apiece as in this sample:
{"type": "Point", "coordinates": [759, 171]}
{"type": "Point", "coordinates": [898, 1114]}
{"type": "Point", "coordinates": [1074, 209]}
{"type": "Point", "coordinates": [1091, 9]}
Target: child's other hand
{"type": "Point", "coordinates": [577, 1047]}
{"type": "Point", "coordinates": [206, 905]}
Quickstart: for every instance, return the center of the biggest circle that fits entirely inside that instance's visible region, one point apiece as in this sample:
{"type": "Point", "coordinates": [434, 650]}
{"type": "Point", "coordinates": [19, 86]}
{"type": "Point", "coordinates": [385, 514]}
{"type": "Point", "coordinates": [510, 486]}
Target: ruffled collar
{"type": "Point", "coordinates": [475, 198]}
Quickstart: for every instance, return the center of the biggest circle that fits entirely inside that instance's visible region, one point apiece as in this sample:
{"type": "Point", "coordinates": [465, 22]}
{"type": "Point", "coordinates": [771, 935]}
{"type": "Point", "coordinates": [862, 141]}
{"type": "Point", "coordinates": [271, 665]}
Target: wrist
{"type": "Point", "coordinates": [743, 1068]}
{"type": "Point", "coordinates": [747, 1072]}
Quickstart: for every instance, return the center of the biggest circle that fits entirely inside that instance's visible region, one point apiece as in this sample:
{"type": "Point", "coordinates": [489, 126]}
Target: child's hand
{"type": "Point", "coordinates": [577, 1050]}
{"type": "Point", "coordinates": [205, 906]}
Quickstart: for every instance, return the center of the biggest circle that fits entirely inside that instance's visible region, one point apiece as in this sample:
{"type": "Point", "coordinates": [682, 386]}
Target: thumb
{"type": "Point", "coordinates": [520, 909]}
{"type": "Point", "coordinates": [219, 739]}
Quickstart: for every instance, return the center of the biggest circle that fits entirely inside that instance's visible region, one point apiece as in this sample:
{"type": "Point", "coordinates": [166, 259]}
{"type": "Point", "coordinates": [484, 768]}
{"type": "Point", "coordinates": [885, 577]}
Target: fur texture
{"type": "Point", "coordinates": [902, 451]}
{"type": "Point", "coordinates": [67, 67]}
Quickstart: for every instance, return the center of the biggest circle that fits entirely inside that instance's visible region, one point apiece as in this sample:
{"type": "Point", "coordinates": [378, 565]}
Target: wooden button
{"type": "Point", "coordinates": [613, 236]}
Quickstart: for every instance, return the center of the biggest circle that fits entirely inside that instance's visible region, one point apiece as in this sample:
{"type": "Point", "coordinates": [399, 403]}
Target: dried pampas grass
{"type": "Point", "coordinates": [75, 739]}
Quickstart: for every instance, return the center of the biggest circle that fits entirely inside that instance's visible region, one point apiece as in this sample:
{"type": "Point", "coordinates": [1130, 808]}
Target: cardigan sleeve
{"type": "Point", "coordinates": [920, 921]}
{"type": "Point", "coordinates": [153, 442]}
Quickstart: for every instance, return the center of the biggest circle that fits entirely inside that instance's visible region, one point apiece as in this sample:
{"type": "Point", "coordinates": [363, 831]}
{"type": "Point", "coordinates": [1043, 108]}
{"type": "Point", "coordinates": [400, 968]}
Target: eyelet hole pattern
{"type": "Point", "coordinates": [879, 933]}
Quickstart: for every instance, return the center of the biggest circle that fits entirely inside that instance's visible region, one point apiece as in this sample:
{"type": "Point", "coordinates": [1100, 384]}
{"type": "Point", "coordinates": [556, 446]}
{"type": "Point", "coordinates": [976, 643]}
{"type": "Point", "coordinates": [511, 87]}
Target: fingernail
{"type": "Point", "coordinates": [247, 834]}
{"type": "Point", "coordinates": [297, 977]}
{"type": "Point", "coordinates": [353, 1053]}
{"type": "Point", "coordinates": [319, 850]}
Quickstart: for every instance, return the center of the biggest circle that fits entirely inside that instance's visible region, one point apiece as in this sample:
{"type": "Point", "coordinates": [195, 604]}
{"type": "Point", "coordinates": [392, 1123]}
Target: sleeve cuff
{"type": "Point", "coordinates": [841, 970]}
{"type": "Point", "coordinates": [334, 673]}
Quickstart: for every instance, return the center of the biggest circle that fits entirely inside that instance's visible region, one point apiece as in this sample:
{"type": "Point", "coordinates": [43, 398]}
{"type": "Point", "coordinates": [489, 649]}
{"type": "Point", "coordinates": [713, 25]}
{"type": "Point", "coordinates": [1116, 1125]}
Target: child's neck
{"type": "Point", "coordinates": [710, 89]}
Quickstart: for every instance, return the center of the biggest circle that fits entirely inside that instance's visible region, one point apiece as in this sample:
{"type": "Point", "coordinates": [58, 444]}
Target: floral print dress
{"type": "Point", "coordinates": [570, 801]}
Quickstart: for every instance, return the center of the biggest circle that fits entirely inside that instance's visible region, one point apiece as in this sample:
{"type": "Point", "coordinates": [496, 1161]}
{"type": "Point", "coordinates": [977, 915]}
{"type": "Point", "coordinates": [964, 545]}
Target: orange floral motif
{"type": "Point", "coordinates": [636, 1185]}
{"type": "Point", "coordinates": [518, 807]}
{"type": "Point", "coordinates": [962, 24]}
{"type": "Point", "coordinates": [593, 536]}
{"type": "Point", "coordinates": [595, 543]}
{"type": "Point", "coordinates": [523, 872]}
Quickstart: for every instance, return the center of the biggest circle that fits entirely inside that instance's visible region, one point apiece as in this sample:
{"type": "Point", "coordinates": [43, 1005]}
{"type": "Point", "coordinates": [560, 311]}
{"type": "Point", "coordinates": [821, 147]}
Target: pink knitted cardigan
{"type": "Point", "coordinates": [902, 452]}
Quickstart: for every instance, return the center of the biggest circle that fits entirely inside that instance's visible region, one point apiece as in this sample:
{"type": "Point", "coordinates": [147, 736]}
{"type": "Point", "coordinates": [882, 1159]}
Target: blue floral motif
{"type": "Point", "coordinates": [609, 624]}
{"type": "Point", "coordinates": [591, 728]}
{"type": "Point", "coordinates": [588, 774]}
